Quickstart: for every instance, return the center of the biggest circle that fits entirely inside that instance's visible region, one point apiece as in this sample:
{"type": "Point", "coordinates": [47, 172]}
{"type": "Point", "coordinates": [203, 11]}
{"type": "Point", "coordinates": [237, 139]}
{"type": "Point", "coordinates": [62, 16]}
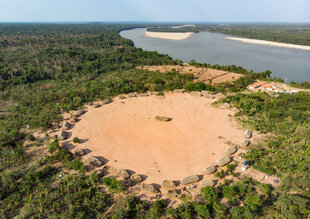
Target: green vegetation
{"type": "Point", "coordinates": [174, 30]}
{"type": "Point", "coordinates": [287, 117]}
{"type": "Point", "coordinates": [304, 84]}
{"type": "Point", "coordinates": [113, 184]}
{"type": "Point", "coordinates": [293, 34]}
{"type": "Point", "coordinates": [76, 140]}
{"type": "Point", "coordinates": [285, 33]}
{"type": "Point", "coordinates": [49, 69]}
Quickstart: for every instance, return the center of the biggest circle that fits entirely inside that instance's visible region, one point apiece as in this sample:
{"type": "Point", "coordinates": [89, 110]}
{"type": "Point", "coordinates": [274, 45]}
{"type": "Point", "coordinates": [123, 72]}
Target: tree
{"type": "Point", "coordinates": [219, 209]}
{"type": "Point", "coordinates": [230, 193]}
{"type": "Point", "coordinates": [209, 194]}
{"type": "Point", "coordinates": [253, 201]}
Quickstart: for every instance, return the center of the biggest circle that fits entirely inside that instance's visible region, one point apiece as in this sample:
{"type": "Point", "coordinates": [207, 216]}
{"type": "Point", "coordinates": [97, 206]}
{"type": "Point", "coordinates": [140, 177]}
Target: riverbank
{"type": "Point", "coordinates": [169, 36]}
{"type": "Point", "coordinates": [269, 43]}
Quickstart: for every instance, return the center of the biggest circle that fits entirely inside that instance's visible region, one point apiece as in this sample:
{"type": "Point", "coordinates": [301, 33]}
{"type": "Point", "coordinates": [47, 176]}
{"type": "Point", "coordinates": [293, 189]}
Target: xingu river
{"type": "Point", "coordinates": [214, 48]}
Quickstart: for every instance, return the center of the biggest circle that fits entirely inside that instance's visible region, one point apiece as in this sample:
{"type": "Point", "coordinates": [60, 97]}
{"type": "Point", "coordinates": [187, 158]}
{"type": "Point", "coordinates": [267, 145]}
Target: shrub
{"type": "Point", "coordinates": [156, 209]}
{"type": "Point", "coordinates": [220, 174]}
{"type": "Point", "coordinates": [77, 165]}
{"type": "Point", "coordinates": [209, 194]}
{"type": "Point", "coordinates": [53, 147]}
{"type": "Point", "coordinates": [253, 201]}
{"type": "Point", "coordinates": [184, 211]}
{"type": "Point", "coordinates": [93, 178]}
{"type": "Point", "coordinates": [202, 210]}
{"type": "Point", "coordinates": [230, 193]}
{"type": "Point", "coordinates": [219, 209]}
{"type": "Point", "coordinates": [76, 140]}
{"type": "Point", "coordinates": [30, 137]}
{"type": "Point", "coordinates": [113, 184]}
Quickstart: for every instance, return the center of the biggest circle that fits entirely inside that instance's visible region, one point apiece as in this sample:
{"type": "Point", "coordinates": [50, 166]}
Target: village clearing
{"type": "Point", "coordinates": [160, 143]}
{"type": "Point", "coordinates": [126, 133]}
{"type": "Point", "coordinates": [200, 74]}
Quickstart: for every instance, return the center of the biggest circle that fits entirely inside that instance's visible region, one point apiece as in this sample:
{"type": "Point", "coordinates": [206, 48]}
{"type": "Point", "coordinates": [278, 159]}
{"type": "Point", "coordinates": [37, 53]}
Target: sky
{"type": "Point", "coordinates": [155, 10]}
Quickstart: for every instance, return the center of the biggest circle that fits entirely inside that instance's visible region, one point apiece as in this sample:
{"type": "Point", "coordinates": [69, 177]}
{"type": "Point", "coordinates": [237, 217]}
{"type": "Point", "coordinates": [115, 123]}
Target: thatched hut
{"type": "Point", "coordinates": [210, 169]}
{"type": "Point", "coordinates": [223, 161]}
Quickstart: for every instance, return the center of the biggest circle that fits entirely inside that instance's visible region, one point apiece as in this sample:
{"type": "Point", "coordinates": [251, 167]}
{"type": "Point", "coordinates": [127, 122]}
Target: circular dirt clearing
{"type": "Point", "coordinates": [126, 133]}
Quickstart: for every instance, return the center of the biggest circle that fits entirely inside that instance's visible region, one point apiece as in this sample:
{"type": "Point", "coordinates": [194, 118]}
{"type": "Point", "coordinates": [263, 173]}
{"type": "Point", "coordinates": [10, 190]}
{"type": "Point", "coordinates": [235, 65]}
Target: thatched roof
{"type": "Point", "coordinates": [223, 161]}
{"type": "Point", "coordinates": [190, 179]}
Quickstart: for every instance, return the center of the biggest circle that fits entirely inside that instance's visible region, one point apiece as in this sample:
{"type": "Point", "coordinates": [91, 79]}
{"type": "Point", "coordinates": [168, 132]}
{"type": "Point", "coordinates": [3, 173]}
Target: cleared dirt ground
{"type": "Point", "coordinates": [201, 74]}
{"type": "Point", "coordinates": [126, 134]}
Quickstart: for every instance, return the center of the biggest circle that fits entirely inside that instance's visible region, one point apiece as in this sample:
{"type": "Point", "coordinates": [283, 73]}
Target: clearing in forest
{"type": "Point", "coordinates": [128, 135]}
{"type": "Point", "coordinates": [200, 74]}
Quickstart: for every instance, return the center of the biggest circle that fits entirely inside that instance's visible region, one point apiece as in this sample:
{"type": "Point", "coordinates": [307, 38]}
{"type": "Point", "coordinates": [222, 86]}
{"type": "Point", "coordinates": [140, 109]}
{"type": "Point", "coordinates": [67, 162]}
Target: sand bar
{"type": "Point", "coordinates": [269, 43]}
{"type": "Point", "coordinates": [169, 36]}
{"type": "Point", "coordinates": [126, 133]}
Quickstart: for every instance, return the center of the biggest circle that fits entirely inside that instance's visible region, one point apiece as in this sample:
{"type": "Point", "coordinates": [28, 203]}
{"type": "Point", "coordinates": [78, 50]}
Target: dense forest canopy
{"type": "Point", "coordinates": [47, 69]}
{"type": "Point", "coordinates": [284, 33]}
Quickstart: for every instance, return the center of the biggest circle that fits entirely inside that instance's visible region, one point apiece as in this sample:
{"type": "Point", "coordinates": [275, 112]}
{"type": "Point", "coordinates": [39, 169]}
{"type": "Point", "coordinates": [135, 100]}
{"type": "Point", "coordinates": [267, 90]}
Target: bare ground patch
{"type": "Point", "coordinates": [126, 133]}
{"type": "Point", "coordinates": [200, 74]}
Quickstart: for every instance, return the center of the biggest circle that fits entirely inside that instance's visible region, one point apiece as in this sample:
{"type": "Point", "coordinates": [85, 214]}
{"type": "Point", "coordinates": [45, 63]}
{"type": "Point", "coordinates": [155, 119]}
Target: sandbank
{"type": "Point", "coordinates": [269, 43]}
{"type": "Point", "coordinates": [169, 36]}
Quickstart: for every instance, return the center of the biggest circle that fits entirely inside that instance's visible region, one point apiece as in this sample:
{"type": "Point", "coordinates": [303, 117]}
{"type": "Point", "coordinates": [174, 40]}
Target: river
{"type": "Point", "coordinates": [206, 47]}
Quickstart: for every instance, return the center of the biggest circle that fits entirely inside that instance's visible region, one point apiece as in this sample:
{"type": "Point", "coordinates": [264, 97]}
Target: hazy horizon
{"type": "Point", "coordinates": [173, 11]}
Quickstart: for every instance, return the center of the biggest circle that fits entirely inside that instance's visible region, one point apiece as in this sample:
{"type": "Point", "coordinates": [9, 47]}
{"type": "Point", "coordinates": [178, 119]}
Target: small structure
{"type": "Point", "coordinates": [131, 95]}
{"type": "Point", "coordinates": [196, 93]}
{"type": "Point", "coordinates": [63, 135]}
{"type": "Point", "coordinates": [245, 165]}
{"type": "Point", "coordinates": [96, 105]}
{"type": "Point", "coordinates": [167, 184]}
{"type": "Point", "coordinates": [91, 160]}
{"type": "Point", "coordinates": [180, 91]}
{"type": "Point", "coordinates": [190, 179]}
{"type": "Point", "coordinates": [172, 194]}
{"type": "Point", "coordinates": [248, 134]}
{"type": "Point", "coordinates": [136, 178]}
{"type": "Point", "coordinates": [207, 183]}
{"type": "Point", "coordinates": [245, 143]}
{"type": "Point", "coordinates": [143, 95]}
{"type": "Point", "coordinates": [148, 188]}
{"type": "Point", "coordinates": [79, 151]}
{"type": "Point", "coordinates": [231, 150]}
{"type": "Point", "coordinates": [106, 101]}
{"type": "Point", "coordinates": [163, 118]}
{"type": "Point", "coordinates": [257, 85]}
{"type": "Point", "coordinates": [123, 174]}
{"type": "Point", "coordinates": [66, 126]}
{"type": "Point", "coordinates": [267, 87]}
{"type": "Point", "coordinates": [223, 161]}
{"type": "Point", "coordinates": [210, 169]}
{"type": "Point", "coordinates": [79, 112]}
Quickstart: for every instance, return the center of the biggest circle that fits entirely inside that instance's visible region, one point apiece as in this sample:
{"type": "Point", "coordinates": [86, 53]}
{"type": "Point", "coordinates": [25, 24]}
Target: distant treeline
{"type": "Point", "coordinates": [173, 30]}
{"type": "Point", "coordinates": [290, 33]}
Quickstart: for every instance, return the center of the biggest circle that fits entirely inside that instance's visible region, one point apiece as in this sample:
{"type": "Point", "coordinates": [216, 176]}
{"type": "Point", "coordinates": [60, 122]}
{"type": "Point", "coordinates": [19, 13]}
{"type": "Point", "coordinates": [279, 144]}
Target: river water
{"type": "Point", "coordinates": [206, 47]}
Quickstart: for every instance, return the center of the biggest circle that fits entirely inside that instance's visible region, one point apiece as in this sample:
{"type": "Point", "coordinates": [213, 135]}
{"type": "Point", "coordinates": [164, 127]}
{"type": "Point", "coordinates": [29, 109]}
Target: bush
{"type": "Point", "coordinates": [113, 184]}
{"type": "Point", "coordinates": [77, 165]}
{"type": "Point", "coordinates": [209, 194]}
{"type": "Point", "coordinates": [156, 209]}
{"type": "Point", "coordinates": [76, 140]}
{"type": "Point", "coordinates": [93, 178]}
{"type": "Point", "coordinates": [53, 147]}
{"type": "Point", "coordinates": [30, 137]}
{"type": "Point", "coordinates": [219, 209]}
{"type": "Point", "coordinates": [202, 210]}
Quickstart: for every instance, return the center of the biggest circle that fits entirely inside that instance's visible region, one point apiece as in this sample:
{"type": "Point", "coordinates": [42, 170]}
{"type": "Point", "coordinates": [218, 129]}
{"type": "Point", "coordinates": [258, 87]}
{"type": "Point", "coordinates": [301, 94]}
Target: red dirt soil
{"type": "Point", "coordinates": [126, 133]}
